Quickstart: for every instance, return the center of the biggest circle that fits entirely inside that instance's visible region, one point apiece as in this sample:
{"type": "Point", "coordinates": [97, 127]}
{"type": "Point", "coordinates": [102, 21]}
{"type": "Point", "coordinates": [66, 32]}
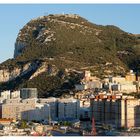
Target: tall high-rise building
{"type": "Point", "coordinates": [68, 109]}
{"type": "Point", "coordinates": [119, 111]}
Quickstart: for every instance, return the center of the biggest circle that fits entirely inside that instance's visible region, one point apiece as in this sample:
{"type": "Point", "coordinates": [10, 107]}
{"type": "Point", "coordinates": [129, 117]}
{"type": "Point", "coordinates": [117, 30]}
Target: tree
{"type": "Point", "coordinates": [23, 124]}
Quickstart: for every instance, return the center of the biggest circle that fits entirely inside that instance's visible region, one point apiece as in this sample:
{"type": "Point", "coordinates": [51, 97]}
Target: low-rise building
{"type": "Point", "coordinates": [127, 87]}
{"type": "Point", "coordinates": [88, 82]}
{"type": "Point", "coordinates": [6, 121]}
{"type": "Point", "coordinates": [15, 94]}
{"type": "Point", "coordinates": [5, 94]}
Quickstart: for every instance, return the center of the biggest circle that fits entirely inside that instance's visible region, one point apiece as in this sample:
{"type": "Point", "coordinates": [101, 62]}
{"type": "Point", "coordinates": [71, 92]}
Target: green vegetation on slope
{"type": "Point", "coordinates": [80, 41]}
{"type": "Point", "coordinates": [74, 43]}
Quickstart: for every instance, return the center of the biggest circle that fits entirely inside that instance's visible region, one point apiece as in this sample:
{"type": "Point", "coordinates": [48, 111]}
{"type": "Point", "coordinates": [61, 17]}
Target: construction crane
{"type": "Point", "coordinates": [93, 131]}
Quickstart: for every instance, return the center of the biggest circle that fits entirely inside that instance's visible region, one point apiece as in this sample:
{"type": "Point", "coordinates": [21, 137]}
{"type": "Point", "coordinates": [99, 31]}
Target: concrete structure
{"type": "Point", "coordinates": [125, 84]}
{"type": "Point", "coordinates": [52, 102]}
{"type": "Point", "coordinates": [5, 94]}
{"type": "Point", "coordinates": [68, 109]}
{"type": "Point", "coordinates": [117, 79]}
{"type": "Point", "coordinates": [40, 112]}
{"type": "Point", "coordinates": [88, 82]}
{"type": "Point", "coordinates": [40, 109]}
{"type": "Point", "coordinates": [9, 95]}
{"type": "Point", "coordinates": [94, 84]}
{"type": "Point", "coordinates": [15, 94]}
{"type": "Point", "coordinates": [119, 111]}
{"type": "Point", "coordinates": [87, 75]}
{"type": "Point", "coordinates": [130, 76]}
{"type": "Point", "coordinates": [125, 87]}
{"type": "Point", "coordinates": [26, 93]}
{"type": "Point", "coordinates": [12, 108]}
{"type": "Point", "coordinates": [119, 87]}
{"type": "Point", "coordinates": [27, 109]}
{"type": "Point", "coordinates": [128, 88]}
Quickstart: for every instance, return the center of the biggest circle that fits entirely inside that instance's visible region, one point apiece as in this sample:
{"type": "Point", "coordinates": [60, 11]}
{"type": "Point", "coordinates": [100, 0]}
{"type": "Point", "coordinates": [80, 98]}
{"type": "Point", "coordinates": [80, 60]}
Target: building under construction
{"type": "Point", "coordinates": [116, 110]}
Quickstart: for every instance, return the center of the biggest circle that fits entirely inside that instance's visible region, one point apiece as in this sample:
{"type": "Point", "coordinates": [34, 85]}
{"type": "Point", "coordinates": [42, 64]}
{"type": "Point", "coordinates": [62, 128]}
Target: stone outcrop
{"type": "Point", "coordinates": [67, 41]}
{"type": "Point", "coordinates": [8, 75]}
{"type": "Point", "coordinates": [18, 48]}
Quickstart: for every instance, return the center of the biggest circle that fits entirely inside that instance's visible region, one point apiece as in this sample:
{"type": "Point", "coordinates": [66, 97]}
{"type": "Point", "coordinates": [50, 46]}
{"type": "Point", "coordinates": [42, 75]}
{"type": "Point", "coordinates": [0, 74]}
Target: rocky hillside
{"type": "Point", "coordinates": [55, 43]}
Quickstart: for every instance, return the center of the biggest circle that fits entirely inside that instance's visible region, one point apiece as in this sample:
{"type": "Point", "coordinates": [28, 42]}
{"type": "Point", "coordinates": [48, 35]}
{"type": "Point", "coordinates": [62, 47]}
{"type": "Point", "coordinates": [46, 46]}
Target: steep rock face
{"type": "Point", "coordinates": [48, 45]}
{"type": "Point", "coordinates": [45, 67]}
{"type": "Point", "coordinates": [19, 45]}
{"type": "Point", "coordinates": [8, 75]}
{"type": "Point", "coordinates": [75, 39]}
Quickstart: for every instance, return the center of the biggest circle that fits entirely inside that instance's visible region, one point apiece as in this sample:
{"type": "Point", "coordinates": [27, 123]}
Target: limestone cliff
{"type": "Point", "coordinates": [48, 45]}
{"type": "Point", "coordinates": [8, 74]}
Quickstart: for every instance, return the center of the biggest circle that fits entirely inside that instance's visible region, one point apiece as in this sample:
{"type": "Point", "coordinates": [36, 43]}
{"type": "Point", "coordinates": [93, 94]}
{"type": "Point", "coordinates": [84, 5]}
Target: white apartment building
{"type": "Point", "coordinates": [68, 109]}
{"type": "Point", "coordinates": [27, 109]}
{"type": "Point", "coordinates": [40, 112]}
{"type": "Point", "coordinates": [52, 102]}
{"type": "Point", "coordinates": [14, 108]}
{"type": "Point", "coordinates": [42, 109]}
